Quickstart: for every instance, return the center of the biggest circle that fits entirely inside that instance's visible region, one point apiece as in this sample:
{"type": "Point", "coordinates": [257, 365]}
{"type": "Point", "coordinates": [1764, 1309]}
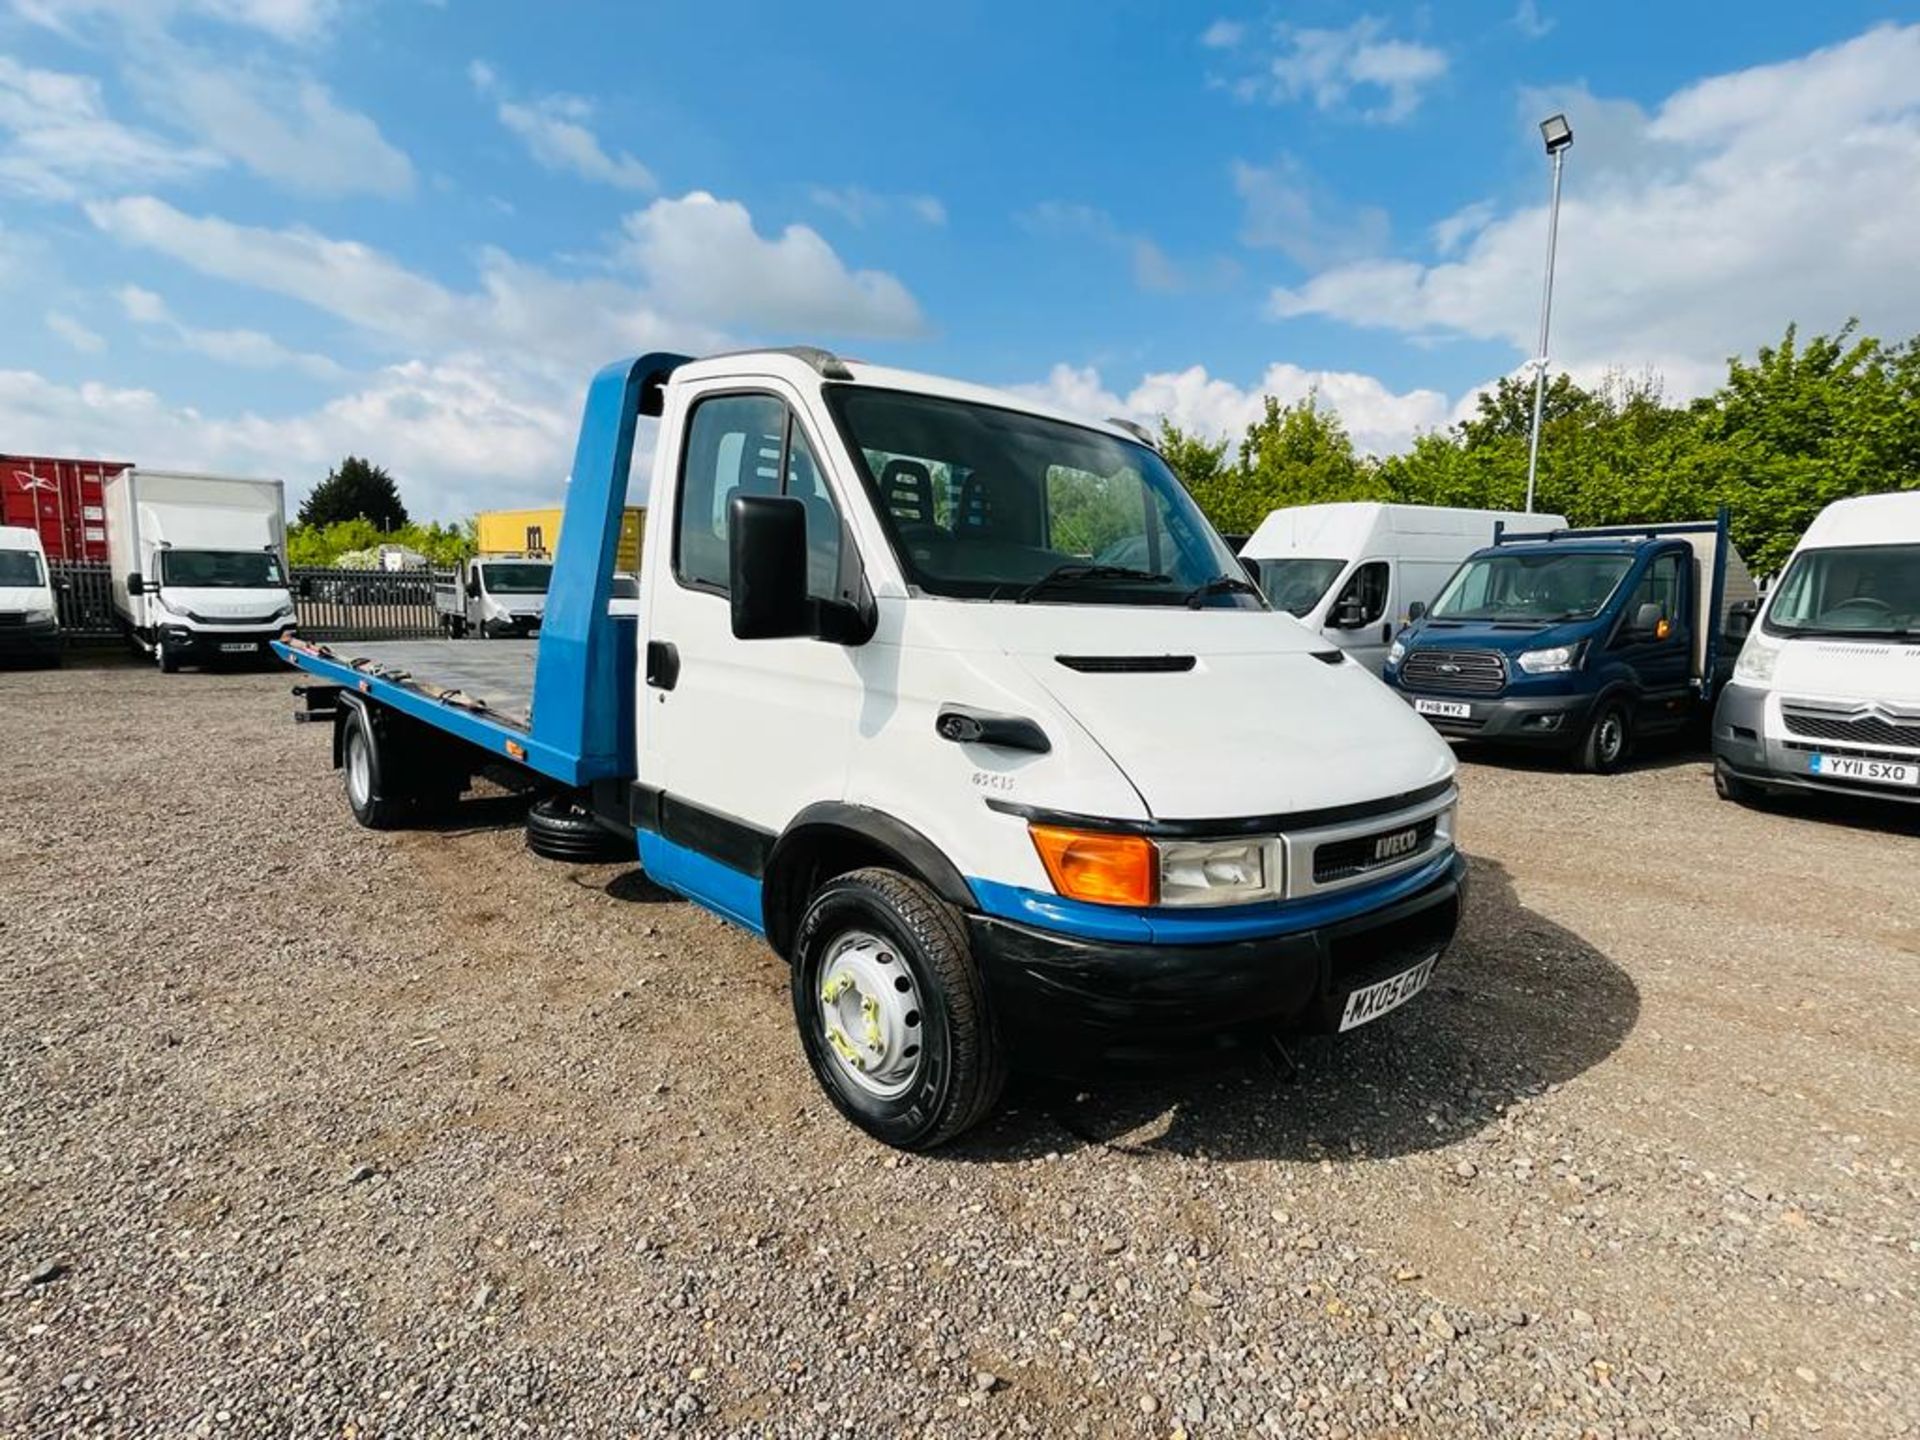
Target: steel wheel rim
{"type": "Point", "coordinates": [1612, 737]}
{"type": "Point", "coordinates": [359, 770]}
{"type": "Point", "coordinates": [870, 1014]}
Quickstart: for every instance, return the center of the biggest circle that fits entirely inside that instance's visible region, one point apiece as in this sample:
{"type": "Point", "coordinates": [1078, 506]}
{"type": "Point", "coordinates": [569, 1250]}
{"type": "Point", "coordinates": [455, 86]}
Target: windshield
{"type": "Point", "coordinates": [515, 579]}
{"type": "Point", "coordinates": [1857, 590]}
{"type": "Point", "coordinates": [1537, 586]}
{"type": "Point", "coordinates": [221, 569]}
{"type": "Point", "coordinates": [992, 504]}
{"type": "Point", "coordinates": [20, 567]}
{"type": "Point", "coordinates": [1296, 586]}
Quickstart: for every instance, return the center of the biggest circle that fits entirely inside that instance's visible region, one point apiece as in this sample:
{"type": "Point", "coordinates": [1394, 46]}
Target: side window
{"type": "Point", "coordinates": [1363, 598]}
{"type": "Point", "coordinates": [749, 445]}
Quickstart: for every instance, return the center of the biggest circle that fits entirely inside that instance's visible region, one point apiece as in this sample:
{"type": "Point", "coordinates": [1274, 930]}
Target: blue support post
{"type": "Point", "coordinates": [579, 674]}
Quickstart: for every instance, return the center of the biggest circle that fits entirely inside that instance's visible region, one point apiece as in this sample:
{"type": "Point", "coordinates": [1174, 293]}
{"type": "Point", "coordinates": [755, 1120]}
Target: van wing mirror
{"type": "Point", "coordinates": [1415, 610]}
{"type": "Point", "coordinates": [473, 583]}
{"type": "Point", "coordinates": [306, 587]}
{"type": "Point", "coordinates": [134, 583]}
{"type": "Point", "coordinates": [1252, 567]}
{"type": "Point", "coordinates": [767, 567]}
{"type": "Point", "coordinates": [1646, 620]}
{"type": "Point", "coordinates": [1348, 614]}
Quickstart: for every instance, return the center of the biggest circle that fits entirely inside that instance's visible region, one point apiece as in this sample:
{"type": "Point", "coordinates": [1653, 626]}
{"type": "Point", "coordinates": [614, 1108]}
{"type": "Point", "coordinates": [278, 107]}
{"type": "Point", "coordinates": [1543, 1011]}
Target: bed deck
{"type": "Point", "coordinates": [489, 677]}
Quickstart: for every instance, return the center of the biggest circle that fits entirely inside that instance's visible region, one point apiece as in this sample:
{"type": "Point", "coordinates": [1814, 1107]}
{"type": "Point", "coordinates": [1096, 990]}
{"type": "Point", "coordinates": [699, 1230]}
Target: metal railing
{"type": "Point", "coordinates": [333, 604]}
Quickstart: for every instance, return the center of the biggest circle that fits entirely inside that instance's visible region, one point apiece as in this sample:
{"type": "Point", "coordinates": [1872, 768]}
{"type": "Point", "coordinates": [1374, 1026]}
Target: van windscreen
{"type": "Point", "coordinates": [1532, 586]}
{"type": "Point", "coordinates": [20, 567]}
{"type": "Point", "coordinates": [221, 569]}
{"type": "Point", "coordinates": [1294, 585]}
{"type": "Point", "coordinates": [1870, 590]}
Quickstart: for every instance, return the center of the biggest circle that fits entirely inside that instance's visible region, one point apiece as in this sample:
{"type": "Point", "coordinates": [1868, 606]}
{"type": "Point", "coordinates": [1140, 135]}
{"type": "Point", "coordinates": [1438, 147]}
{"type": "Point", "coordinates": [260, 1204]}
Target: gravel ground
{"type": "Point", "coordinates": [306, 1130]}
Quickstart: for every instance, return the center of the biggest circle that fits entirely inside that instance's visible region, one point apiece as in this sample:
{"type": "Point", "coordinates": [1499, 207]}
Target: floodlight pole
{"type": "Point", "coordinates": [1559, 154]}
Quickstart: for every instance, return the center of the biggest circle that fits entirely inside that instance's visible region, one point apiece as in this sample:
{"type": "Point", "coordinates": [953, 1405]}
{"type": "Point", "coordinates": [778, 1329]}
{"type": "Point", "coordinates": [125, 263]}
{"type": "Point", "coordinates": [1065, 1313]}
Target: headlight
{"type": "Point", "coordinates": [1219, 872]}
{"type": "Point", "coordinates": [42, 616]}
{"type": "Point", "coordinates": [1396, 652]}
{"type": "Point", "coordinates": [1131, 870]}
{"type": "Point", "coordinates": [1551, 661]}
{"type": "Point", "coordinates": [285, 612]}
{"type": "Point", "coordinates": [1756, 661]}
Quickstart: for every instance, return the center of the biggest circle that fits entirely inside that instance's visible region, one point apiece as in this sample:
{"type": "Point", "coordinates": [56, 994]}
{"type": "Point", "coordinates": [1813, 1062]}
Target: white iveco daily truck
{"type": "Point", "coordinates": [199, 565]}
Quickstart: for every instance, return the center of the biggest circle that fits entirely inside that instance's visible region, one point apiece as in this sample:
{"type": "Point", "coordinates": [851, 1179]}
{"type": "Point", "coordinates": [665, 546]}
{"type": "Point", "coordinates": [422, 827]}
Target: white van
{"type": "Point", "coordinates": [1355, 570]}
{"type": "Point", "coordinates": [199, 565]}
{"type": "Point", "coordinates": [29, 619]}
{"type": "Point", "coordinates": [1826, 695]}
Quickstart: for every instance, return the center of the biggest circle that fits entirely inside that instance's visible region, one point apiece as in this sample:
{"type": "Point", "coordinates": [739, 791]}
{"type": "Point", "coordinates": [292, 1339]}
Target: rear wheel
{"type": "Point", "coordinates": [892, 1011]}
{"type": "Point", "coordinates": [559, 827]}
{"type": "Point", "coordinates": [1608, 740]}
{"type": "Point", "coordinates": [361, 774]}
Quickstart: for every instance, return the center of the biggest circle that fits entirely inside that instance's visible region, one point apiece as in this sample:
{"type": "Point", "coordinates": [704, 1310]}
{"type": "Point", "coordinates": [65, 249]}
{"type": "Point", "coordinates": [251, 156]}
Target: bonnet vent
{"type": "Point", "coordinates": [1127, 664]}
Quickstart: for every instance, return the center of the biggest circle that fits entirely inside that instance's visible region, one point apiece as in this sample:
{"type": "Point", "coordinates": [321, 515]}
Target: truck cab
{"type": "Point", "coordinates": [1826, 694]}
{"type": "Point", "coordinates": [1579, 641]}
{"type": "Point", "coordinates": [996, 799]}
{"type": "Point", "coordinates": [29, 618]}
{"type": "Point", "coordinates": [496, 597]}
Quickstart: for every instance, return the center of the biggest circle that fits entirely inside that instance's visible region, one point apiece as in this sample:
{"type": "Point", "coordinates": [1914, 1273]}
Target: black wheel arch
{"type": "Point", "coordinates": [831, 838]}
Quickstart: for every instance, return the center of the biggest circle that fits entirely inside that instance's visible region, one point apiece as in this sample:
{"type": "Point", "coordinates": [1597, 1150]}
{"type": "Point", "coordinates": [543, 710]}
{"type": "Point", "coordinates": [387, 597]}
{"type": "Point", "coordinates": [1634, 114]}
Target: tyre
{"type": "Point", "coordinates": [166, 657]}
{"type": "Point", "coordinates": [892, 1010]}
{"type": "Point", "coordinates": [1608, 740]}
{"type": "Point", "coordinates": [360, 769]}
{"type": "Point", "coordinates": [559, 827]}
{"type": "Point", "coordinates": [1729, 786]}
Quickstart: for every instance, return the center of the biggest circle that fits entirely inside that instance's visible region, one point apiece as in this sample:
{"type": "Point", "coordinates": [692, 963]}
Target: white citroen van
{"type": "Point", "coordinates": [1826, 695]}
{"type": "Point", "coordinates": [29, 619]}
{"type": "Point", "coordinates": [1355, 571]}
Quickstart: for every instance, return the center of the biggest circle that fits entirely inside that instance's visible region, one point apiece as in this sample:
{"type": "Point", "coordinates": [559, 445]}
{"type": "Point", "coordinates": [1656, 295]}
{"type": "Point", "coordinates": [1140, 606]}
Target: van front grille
{"type": "Point", "coordinates": [1464, 672]}
{"type": "Point", "coordinates": [1343, 859]}
{"type": "Point", "coordinates": [1854, 729]}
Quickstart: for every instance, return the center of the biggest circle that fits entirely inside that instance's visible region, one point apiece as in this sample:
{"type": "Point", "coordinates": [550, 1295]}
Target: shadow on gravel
{"type": "Point", "coordinates": [1519, 1004]}
{"type": "Point", "coordinates": [1662, 752]}
{"type": "Point", "coordinates": [493, 811]}
{"type": "Point", "coordinates": [1888, 817]}
{"type": "Point", "coordinates": [632, 887]}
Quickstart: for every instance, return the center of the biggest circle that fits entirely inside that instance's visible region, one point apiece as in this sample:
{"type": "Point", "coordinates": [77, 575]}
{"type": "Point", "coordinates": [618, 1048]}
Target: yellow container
{"type": "Point", "coordinates": [537, 532]}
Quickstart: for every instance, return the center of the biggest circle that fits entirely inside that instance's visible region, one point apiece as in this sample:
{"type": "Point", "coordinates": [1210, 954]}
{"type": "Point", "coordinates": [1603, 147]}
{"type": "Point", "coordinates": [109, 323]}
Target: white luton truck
{"type": "Point", "coordinates": [997, 801]}
{"type": "Point", "coordinates": [199, 565]}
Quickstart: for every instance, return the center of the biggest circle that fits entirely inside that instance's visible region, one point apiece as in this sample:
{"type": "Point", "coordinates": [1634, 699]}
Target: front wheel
{"type": "Point", "coordinates": [1729, 786]}
{"type": "Point", "coordinates": [892, 1011]}
{"type": "Point", "coordinates": [1608, 740]}
{"type": "Point", "coordinates": [166, 657]}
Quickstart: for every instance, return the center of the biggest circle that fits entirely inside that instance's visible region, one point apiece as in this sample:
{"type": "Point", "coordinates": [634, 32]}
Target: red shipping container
{"type": "Point", "coordinates": [60, 498]}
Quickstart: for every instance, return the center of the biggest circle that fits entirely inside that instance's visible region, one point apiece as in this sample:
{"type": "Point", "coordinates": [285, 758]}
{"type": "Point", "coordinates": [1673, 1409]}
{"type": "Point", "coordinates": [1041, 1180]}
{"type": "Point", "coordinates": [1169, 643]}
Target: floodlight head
{"type": "Point", "coordinates": [1557, 133]}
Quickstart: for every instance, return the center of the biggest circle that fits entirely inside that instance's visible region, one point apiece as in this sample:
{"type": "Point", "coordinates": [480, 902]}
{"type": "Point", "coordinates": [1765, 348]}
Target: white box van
{"type": "Point", "coordinates": [1353, 571]}
{"type": "Point", "coordinates": [1826, 695]}
{"type": "Point", "coordinates": [199, 564]}
{"type": "Point", "coordinates": [29, 619]}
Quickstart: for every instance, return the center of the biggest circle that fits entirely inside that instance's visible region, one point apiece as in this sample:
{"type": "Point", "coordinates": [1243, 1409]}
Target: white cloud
{"type": "Point", "coordinates": [1287, 210]}
{"type": "Point", "coordinates": [1381, 421]}
{"type": "Point", "coordinates": [283, 126]}
{"type": "Point", "coordinates": [57, 141]}
{"type": "Point", "coordinates": [75, 334]}
{"type": "Point", "coordinates": [1153, 269]}
{"type": "Point", "coordinates": [248, 349]}
{"type": "Point", "coordinates": [1528, 20]}
{"type": "Point", "coordinates": [1783, 192]}
{"type": "Point", "coordinates": [703, 258]}
{"type": "Point", "coordinates": [288, 20]}
{"type": "Point", "coordinates": [859, 206]}
{"type": "Point", "coordinates": [554, 130]}
{"type": "Point", "coordinates": [1223, 34]}
{"type": "Point", "coordinates": [1358, 65]}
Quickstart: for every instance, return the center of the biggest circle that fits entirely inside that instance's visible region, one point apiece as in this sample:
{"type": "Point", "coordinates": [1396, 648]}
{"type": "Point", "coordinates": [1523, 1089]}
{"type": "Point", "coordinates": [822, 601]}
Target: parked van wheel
{"type": "Point", "coordinates": [1729, 786]}
{"type": "Point", "coordinates": [165, 658]}
{"type": "Point", "coordinates": [360, 771]}
{"type": "Point", "coordinates": [892, 1010]}
{"type": "Point", "coordinates": [1608, 741]}
{"type": "Point", "coordinates": [559, 827]}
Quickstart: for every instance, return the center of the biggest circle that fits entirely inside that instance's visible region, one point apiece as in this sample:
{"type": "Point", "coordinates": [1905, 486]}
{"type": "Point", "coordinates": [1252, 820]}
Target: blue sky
{"type": "Point", "coordinates": [256, 234]}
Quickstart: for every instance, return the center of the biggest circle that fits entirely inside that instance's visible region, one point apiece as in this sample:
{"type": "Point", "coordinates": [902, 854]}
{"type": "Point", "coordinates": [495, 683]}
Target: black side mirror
{"type": "Point", "coordinates": [1252, 567]}
{"type": "Point", "coordinates": [1646, 620]}
{"type": "Point", "coordinates": [306, 587]}
{"type": "Point", "coordinates": [473, 586]}
{"type": "Point", "coordinates": [135, 585]}
{"type": "Point", "coordinates": [767, 567]}
{"type": "Point", "coordinates": [1348, 615]}
{"type": "Point", "coordinates": [1415, 610]}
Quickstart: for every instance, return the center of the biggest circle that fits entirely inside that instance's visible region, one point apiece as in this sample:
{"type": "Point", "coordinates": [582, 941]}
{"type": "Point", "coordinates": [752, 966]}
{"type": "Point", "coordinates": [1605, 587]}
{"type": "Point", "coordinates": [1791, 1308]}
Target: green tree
{"type": "Point", "coordinates": [356, 490]}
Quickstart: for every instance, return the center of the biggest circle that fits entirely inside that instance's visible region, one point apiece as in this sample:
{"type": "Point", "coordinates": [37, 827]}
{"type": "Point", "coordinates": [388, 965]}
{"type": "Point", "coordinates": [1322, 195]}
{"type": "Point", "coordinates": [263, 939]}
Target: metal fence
{"type": "Point", "coordinates": [333, 604]}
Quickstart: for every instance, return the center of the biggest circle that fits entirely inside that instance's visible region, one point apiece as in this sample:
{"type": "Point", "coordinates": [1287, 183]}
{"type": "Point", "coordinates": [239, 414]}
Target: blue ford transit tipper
{"type": "Point", "coordinates": [1580, 641]}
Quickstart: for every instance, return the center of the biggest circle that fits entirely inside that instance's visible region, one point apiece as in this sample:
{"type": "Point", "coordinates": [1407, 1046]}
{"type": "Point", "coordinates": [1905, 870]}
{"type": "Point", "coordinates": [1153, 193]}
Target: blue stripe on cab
{"type": "Point", "coordinates": [731, 894]}
{"type": "Point", "coordinates": [1166, 925]}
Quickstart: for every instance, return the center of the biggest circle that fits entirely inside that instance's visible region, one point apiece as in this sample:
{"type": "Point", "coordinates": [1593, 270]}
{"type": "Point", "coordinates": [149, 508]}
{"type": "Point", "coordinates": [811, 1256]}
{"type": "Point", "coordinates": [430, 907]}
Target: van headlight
{"type": "Point", "coordinates": [1396, 652]}
{"type": "Point", "coordinates": [1220, 872]}
{"type": "Point", "coordinates": [1551, 661]}
{"type": "Point", "coordinates": [1756, 661]}
{"type": "Point", "coordinates": [42, 616]}
{"type": "Point", "coordinates": [1125, 869]}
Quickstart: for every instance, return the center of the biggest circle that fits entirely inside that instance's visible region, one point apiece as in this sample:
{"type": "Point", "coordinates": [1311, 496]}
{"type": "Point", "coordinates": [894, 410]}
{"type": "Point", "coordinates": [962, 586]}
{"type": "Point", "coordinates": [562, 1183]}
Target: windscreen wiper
{"type": "Point", "coordinates": [1074, 573]}
{"type": "Point", "coordinates": [1221, 585]}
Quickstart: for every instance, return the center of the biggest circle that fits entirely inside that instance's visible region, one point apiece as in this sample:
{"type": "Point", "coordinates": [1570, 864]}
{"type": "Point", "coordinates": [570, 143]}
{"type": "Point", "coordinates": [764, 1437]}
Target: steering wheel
{"type": "Point", "coordinates": [1875, 608]}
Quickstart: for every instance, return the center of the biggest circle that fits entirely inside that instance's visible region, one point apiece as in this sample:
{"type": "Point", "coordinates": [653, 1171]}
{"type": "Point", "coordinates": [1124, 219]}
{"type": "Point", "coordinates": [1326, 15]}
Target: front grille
{"type": "Point", "coordinates": [1801, 747]}
{"type": "Point", "coordinates": [197, 617]}
{"type": "Point", "coordinates": [1851, 730]}
{"type": "Point", "coordinates": [1464, 672]}
{"type": "Point", "coordinates": [1343, 859]}
{"type": "Point", "coordinates": [13, 617]}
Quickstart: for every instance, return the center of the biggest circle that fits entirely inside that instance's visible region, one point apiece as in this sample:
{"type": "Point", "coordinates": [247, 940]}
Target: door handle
{"type": "Point", "coordinates": [663, 664]}
{"type": "Point", "coordinates": [1386, 631]}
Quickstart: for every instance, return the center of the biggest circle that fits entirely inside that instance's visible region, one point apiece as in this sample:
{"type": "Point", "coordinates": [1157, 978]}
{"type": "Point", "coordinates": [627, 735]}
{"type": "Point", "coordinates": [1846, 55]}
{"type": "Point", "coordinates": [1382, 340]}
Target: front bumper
{"type": "Point", "coordinates": [516, 626]}
{"type": "Point", "coordinates": [1743, 744]}
{"type": "Point", "coordinates": [1067, 1001]}
{"type": "Point", "coordinates": [1551, 722]}
{"type": "Point", "coordinates": [36, 642]}
{"type": "Point", "coordinates": [195, 647]}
